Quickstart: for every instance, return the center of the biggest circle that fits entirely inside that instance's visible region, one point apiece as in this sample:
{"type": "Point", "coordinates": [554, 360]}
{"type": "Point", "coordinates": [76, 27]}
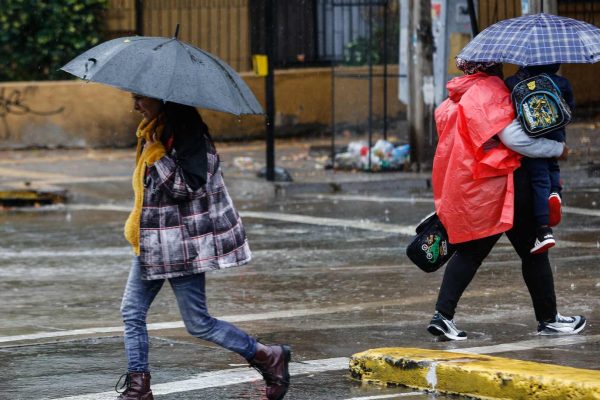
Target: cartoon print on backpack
{"type": "Point", "coordinates": [539, 105]}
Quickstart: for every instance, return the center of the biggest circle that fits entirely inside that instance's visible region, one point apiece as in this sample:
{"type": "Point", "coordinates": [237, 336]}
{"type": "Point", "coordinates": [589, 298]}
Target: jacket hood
{"type": "Point", "coordinates": [459, 85]}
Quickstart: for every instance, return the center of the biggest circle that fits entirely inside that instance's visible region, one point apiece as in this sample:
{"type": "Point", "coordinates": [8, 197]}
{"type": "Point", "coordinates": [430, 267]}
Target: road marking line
{"type": "Point", "coordinates": [581, 211]}
{"type": "Point", "coordinates": [414, 200]}
{"type": "Point", "coordinates": [30, 175]}
{"type": "Point", "coordinates": [126, 251]}
{"type": "Point", "coordinates": [90, 207]}
{"type": "Point", "coordinates": [531, 344]}
{"type": "Point", "coordinates": [378, 199]}
{"type": "Point", "coordinates": [45, 254]}
{"type": "Point", "coordinates": [343, 223]}
{"type": "Point", "coordinates": [227, 377]}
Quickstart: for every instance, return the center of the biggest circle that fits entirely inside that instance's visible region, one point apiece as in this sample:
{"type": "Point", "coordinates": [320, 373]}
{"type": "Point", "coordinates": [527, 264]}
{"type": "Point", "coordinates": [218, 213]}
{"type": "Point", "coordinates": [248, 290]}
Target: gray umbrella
{"type": "Point", "coordinates": [167, 69]}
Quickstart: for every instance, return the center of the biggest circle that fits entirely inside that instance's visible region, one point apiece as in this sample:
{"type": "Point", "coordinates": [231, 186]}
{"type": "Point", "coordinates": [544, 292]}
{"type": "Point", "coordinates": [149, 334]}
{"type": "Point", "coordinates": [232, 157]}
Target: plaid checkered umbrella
{"type": "Point", "coordinates": [536, 39]}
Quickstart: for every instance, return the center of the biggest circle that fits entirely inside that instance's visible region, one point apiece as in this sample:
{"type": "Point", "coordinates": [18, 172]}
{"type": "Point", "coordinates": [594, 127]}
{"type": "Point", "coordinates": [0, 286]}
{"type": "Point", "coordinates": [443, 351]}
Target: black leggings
{"type": "Point", "coordinates": [536, 269]}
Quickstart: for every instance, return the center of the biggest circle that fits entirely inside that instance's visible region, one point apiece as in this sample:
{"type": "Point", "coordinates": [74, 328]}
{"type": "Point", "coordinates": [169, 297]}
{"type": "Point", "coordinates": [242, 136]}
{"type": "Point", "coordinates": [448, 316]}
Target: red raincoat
{"type": "Point", "coordinates": [472, 186]}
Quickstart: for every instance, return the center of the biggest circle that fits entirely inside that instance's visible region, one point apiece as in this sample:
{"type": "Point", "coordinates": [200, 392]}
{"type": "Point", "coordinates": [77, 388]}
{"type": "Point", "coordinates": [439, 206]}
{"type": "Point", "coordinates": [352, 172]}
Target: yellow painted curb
{"type": "Point", "coordinates": [31, 196]}
{"type": "Point", "coordinates": [475, 375]}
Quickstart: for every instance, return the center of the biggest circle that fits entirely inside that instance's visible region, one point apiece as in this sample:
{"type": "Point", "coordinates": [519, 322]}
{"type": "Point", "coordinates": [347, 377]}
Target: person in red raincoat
{"type": "Point", "coordinates": [480, 193]}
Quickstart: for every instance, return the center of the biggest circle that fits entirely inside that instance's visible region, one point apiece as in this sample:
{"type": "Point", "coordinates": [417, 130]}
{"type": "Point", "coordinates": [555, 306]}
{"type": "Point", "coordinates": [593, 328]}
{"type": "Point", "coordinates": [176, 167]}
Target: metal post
{"type": "Point", "coordinates": [333, 127]}
{"type": "Point", "coordinates": [370, 62]}
{"type": "Point", "coordinates": [473, 18]}
{"type": "Point", "coordinates": [410, 71]}
{"type": "Point", "coordinates": [270, 90]}
{"type": "Point", "coordinates": [551, 7]}
{"type": "Point", "coordinates": [416, 94]}
{"type": "Point", "coordinates": [547, 6]}
{"type": "Point", "coordinates": [385, 56]}
{"type": "Point", "coordinates": [139, 17]}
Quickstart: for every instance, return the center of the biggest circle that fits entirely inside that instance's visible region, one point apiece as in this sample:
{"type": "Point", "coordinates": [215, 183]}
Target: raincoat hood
{"type": "Point", "coordinates": [458, 86]}
{"type": "Point", "coordinates": [472, 171]}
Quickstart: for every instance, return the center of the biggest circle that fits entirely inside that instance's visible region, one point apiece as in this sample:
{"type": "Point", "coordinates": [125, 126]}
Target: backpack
{"type": "Point", "coordinates": [539, 105]}
{"type": "Point", "coordinates": [430, 248]}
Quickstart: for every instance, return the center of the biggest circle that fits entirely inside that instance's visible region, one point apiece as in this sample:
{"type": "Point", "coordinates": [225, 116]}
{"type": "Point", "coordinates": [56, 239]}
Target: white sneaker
{"type": "Point", "coordinates": [544, 239]}
{"type": "Point", "coordinates": [562, 325]}
{"type": "Point", "coordinates": [442, 326]}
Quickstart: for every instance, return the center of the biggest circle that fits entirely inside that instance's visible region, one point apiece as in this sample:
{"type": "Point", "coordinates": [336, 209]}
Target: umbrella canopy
{"type": "Point", "coordinates": [536, 39]}
{"type": "Point", "coordinates": [167, 69]}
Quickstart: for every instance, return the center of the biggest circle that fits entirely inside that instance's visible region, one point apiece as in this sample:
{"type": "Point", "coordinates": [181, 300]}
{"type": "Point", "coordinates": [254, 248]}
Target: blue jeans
{"type": "Point", "coordinates": [191, 299]}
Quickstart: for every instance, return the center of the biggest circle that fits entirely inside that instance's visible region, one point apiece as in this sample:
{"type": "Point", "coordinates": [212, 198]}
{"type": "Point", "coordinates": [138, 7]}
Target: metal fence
{"type": "Point", "coordinates": [361, 34]}
{"type": "Point", "coordinates": [295, 40]}
{"type": "Point", "coordinates": [309, 32]}
{"type": "Point", "coordinates": [347, 28]}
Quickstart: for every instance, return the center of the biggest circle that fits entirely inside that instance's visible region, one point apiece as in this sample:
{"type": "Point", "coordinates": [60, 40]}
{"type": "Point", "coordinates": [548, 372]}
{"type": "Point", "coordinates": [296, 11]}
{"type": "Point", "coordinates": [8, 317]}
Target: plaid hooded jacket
{"type": "Point", "coordinates": [184, 232]}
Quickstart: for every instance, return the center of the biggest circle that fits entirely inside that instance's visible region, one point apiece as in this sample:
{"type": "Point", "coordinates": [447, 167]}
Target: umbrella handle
{"type": "Point", "coordinates": [176, 32]}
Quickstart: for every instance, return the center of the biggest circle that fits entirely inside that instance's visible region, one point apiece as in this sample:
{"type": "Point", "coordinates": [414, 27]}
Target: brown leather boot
{"type": "Point", "coordinates": [272, 362]}
{"type": "Point", "coordinates": [136, 385]}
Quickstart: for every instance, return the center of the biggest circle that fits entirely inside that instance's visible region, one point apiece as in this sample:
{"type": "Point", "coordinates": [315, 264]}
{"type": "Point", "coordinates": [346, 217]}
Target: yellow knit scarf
{"type": "Point", "coordinates": [150, 132]}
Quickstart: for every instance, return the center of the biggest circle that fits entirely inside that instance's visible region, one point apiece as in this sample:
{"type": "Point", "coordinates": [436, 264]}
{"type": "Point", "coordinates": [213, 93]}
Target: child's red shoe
{"type": "Point", "coordinates": [554, 209]}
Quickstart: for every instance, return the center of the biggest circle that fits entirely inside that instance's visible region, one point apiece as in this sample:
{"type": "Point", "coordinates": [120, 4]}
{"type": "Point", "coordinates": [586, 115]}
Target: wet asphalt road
{"type": "Point", "coordinates": [329, 277]}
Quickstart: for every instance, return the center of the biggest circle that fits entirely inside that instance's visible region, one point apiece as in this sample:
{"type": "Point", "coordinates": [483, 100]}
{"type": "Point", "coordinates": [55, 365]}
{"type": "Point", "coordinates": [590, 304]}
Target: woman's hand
{"type": "Point", "coordinates": [565, 153]}
{"type": "Point", "coordinates": [147, 144]}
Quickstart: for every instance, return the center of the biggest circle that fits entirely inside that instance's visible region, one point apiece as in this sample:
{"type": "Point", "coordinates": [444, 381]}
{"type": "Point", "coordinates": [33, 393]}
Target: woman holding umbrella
{"type": "Point", "coordinates": [183, 224]}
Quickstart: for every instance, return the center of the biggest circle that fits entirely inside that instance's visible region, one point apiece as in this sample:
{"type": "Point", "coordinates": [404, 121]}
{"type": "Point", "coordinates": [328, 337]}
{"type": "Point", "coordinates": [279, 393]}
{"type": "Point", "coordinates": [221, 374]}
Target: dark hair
{"type": "Point", "coordinates": [495, 70]}
{"type": "Point", "coordinates": [183, 120]}
{"type": "Point", "coordinates": [191, 141]}
{"type": "Point", "coordinates": [547, 68]}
